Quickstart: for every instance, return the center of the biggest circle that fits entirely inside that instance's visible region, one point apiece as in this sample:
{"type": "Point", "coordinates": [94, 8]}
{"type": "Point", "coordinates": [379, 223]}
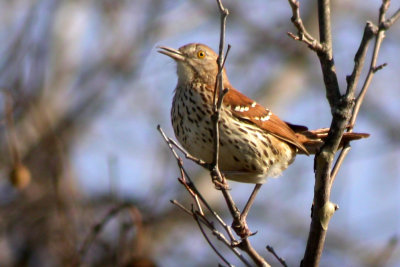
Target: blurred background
{"type": "Point", "coordinates": [86, 178]}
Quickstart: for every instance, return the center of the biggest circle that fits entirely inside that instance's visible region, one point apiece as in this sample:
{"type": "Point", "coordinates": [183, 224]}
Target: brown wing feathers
{"type": "Point", "coordinates": [245, 108]}
{"type": "Point", "coordinates": [307, 141]}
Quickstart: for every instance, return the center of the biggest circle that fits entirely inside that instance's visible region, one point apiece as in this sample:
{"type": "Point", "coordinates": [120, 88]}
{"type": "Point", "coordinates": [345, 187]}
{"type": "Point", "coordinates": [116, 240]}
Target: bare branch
{"type": "Point", "coordinates": [342, 111]}
{"type": "Point", "coordinates": [193, 190]}
{"type": "Point", "coordinates": [369, 32]}
{"type": "Point", "coordinates": [302, 34]}
{"type": "Point", "coordinates": [179, 205]}
{"type": "Point", "coordinates": [218, 89]}
{"type": "Point", "coordinates": [339, 161]}
{"type": "Point", "coordinates": [389, 22]}
{"type": "Point", "coordinates": [380, 35]}
{"type": "Point", "coordinates": [170, 141]}
{"type": "Point", "coordinates": [323, 209]}
{"type": "Point", "coordinates": [281, 260]}
{"type": "Point", "coordinates": [218, 178]}
{"type": "Point", "coordinates": [97, 228]}
{"type": "Point", "coordinates": [201, 219]}
{"type": "Point", "coordinates": [196, 218]}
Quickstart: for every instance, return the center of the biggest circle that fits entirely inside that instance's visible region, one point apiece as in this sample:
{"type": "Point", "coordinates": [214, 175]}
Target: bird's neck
{"type": "Point", "coordinates": [210, 81]}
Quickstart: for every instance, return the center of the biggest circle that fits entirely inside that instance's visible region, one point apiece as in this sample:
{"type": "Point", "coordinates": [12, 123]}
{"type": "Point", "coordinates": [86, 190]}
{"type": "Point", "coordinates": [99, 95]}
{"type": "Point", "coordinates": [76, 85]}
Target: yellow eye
{"type": "Point", "coordinates": [201, 54]}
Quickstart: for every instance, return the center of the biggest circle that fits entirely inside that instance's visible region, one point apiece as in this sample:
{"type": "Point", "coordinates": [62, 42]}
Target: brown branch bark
{"type": "Point", "coordinates": [370, 31]}
{"type": "Point", "coordinates": [219, 92]}
{"type": "Point", "coordinates": [323, 209]}
{"type": "Point", "coordinates": [196, 195]}
{"type": "Point", "coordinates": [281, 260]}
{"type": "Point", "coordinates": [302, 34]}
{"type": "Point", "coordinates": [343, 110]}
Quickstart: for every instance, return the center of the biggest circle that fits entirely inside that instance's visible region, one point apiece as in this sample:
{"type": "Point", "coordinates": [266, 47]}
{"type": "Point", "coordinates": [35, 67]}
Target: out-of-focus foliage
{"type": "Point", "coordinates": [82, 90]}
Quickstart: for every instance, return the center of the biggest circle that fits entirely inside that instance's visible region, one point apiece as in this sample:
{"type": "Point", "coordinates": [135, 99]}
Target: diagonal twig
{"type": "Point", "coordinates": [193, 188]}
{"type": "Point", "coordinates": [196, 218]}
{"type": "Point", "coordinates": [389, 22]}
{"type": "Point", "coordinates": [302, 34]}
{"type": "Point", "coordinates": [281, 260]}
{"type": "Point", "coordinates": [370, 31]}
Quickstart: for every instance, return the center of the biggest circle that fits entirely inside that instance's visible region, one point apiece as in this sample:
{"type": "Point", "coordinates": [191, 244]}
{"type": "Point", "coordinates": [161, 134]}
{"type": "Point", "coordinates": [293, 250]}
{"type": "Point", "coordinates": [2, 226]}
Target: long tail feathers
{"type": "Point", "coordinates": [314, 139]}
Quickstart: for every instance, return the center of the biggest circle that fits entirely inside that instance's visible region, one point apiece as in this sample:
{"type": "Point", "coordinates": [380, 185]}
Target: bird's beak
{"type": "Point", "coordinates": [173, 53]}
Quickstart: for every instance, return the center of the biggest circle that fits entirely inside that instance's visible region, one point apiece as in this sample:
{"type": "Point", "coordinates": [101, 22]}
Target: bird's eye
{"type": "Point", "coordinates": [201, 54]}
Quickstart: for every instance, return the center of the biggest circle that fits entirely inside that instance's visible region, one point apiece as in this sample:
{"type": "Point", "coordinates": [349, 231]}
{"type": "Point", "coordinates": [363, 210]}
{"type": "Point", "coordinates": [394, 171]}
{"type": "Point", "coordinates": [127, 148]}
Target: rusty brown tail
{"type": "Point", "coordinates": [314, 139]}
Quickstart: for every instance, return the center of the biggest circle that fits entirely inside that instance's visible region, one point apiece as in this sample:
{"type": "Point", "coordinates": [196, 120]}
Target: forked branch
{"type": "Point", "coordinates": [344, 112]}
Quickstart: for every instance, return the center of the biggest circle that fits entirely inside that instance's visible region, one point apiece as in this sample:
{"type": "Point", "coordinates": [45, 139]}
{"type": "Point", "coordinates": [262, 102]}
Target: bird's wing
{"type": "Point", "coordinates": [247, 109]}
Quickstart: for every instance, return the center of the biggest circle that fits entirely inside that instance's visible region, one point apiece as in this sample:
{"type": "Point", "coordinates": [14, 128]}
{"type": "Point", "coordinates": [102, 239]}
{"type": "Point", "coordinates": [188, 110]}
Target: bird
{"type": "Point", "coordinates": [254, 143]}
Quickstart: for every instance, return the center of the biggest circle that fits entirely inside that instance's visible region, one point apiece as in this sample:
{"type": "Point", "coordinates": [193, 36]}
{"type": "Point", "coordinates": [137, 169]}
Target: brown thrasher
{"type": "Point", "coordinates": [254, 143]}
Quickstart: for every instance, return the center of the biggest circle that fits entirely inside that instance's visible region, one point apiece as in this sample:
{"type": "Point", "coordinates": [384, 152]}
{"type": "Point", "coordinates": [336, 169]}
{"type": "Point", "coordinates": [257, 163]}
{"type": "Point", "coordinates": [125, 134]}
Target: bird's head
{"type": "Point", "coordinates": [196, 63]}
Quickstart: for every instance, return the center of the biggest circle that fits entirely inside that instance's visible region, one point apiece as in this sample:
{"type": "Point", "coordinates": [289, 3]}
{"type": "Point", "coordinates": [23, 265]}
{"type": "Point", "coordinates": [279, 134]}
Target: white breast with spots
{"type": "Point", "coordinates": [247, 153]}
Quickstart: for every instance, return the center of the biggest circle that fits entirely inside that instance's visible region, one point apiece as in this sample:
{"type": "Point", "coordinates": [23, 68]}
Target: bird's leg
{"type": "Point", "coordinates": [249, 202]}
{"type": "Point", "coordinates": [240, 225]}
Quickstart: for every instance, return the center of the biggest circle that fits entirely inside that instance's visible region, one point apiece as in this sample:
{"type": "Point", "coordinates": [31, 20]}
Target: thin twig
{"type": "Point", "coordinates": [302, 34]}
{"type": "Point", "coordinates": [97, 228]}
{"type": "Point", "coordinates": [389, 22]}
{"type": "Point", "coordinates": [343, 153]}
{"type": "Point", "coordinates": [193, 187]}
{"type": "Point", "coordinates": [219, 93]}
{"type": "Point", "coordinates": [352, 81]}
{"type": "Point", "coordinates": [281, 260]}
{"type": "Point", "coordinates": [218, 89]}
{"type": "Point", "coordinates": [196, 218]}
{"type": "Point", "coordinates": [200, 218]}
{"type": "Point", "coordinates": [179, 205]}
{"type": "Point", "coordinates": [373, 68]}
{"type": "Point", "coordinates": [239, 226]}
{"type": "Point", "coordinates": [191, 192]}
{"type": "Point", "coordinates": [188, 155]}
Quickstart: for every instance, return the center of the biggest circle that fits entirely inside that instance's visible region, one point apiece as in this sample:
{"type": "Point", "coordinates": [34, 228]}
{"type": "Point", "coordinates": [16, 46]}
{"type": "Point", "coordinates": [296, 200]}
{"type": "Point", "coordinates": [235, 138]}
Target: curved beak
{"type": "Point", "coordinates": [173, 53]}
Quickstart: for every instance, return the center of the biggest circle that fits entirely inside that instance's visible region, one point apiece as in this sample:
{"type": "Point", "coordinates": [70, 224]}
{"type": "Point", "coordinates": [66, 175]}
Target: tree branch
{"type": "Point", "coordinates": [343, 109]}
{"type": "Point", "coordinates": [239, 226]}
{"type": "Point", "coordinates": [302, 34]}
{"type": "Point", "coordinates": [196, 218]}
{"type": "Point", "coordinates": [281, 260]}
{"type": "Point", "coordinates": [196, 195]}
{"type": "Point", "coordinates": [389, 22]}
{"type": "Point", "coordinates": [352, 81]}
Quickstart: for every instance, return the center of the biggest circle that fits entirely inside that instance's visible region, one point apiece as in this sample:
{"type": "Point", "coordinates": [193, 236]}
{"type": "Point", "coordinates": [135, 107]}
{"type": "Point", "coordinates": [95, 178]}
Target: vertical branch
{"type": "Point", "coordinates": [219, 93]}
{"type": "Point", "coordinates": [326, 54]}
{"type": "Point", "coordinates": [342, 111]}
{"type": "Point", "coordinates": [324, 20]}
{"type": "Point", "coordinates": [219, 90]}
{"type": "Point", "coordinates": [323, 208]}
